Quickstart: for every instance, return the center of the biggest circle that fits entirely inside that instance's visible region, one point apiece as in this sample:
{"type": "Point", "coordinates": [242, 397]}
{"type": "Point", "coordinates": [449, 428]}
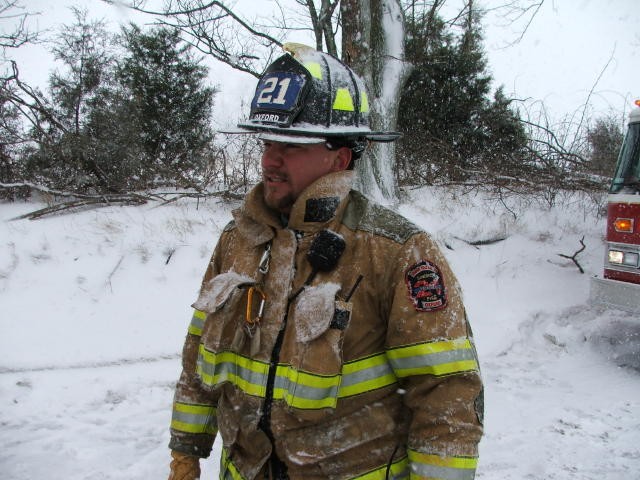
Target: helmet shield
{"type": "Point", "coordinates": [311, 94]}
{"type": "Point", "coordinates": [280, 93]}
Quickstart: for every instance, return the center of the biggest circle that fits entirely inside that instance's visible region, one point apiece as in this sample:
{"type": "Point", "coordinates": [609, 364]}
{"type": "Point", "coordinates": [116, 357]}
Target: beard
{"type": "Point", "coordinates": [281, 204]}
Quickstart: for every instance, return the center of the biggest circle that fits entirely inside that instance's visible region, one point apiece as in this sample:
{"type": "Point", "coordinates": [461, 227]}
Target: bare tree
{"type": "Point", "coordinates": [13, 11]}
{"type": "Point", "coordinates": [372, 43]}
{"type": "Point", "coordinates": [324, 23]}
{"type": "Point", "coordinates": [251, 44]}
{"type": "Point", "coordinates": [216, 29]}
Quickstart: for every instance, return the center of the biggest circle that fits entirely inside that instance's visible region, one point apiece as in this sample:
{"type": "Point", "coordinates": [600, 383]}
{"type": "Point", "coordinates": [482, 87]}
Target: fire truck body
{"type": "Point", "coordinates": [620, 287]}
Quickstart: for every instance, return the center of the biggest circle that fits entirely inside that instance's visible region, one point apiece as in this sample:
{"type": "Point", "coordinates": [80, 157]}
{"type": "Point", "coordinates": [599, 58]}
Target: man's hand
{"type": "Point", "coordinates": [184, 467]}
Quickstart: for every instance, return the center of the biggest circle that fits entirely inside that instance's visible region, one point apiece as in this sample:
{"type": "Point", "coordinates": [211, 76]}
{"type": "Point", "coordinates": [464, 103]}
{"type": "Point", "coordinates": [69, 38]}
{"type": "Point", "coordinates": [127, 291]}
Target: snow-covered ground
{"type": "Point", "coordinates": [94, 308]}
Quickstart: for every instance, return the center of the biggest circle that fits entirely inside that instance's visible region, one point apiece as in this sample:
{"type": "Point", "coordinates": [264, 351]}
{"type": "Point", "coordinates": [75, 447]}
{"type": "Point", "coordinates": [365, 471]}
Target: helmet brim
{"type": "Point", "coordinates": [300, 134]}
{"type": "Point", "coordinates": [285, 138]}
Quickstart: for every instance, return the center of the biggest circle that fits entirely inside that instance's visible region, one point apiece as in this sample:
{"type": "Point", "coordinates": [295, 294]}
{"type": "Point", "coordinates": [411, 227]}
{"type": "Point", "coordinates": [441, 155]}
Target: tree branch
{"type": "Point", "coordinates": [573, 257]}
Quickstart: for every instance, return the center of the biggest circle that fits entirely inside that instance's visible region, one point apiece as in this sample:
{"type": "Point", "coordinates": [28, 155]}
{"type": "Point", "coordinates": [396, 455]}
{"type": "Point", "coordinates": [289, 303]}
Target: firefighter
{"type": "Point", "coordinates": [329, 339]}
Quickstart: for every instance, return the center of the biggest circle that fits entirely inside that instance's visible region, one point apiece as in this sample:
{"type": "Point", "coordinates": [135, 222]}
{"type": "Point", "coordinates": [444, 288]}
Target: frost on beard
{"type": "Point", "coordinates": [314, 311]}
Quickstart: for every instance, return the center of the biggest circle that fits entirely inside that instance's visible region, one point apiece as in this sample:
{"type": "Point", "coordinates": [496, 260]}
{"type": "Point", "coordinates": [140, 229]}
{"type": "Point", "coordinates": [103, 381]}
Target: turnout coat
{"type": "Point", "coordinates": [375, 375]}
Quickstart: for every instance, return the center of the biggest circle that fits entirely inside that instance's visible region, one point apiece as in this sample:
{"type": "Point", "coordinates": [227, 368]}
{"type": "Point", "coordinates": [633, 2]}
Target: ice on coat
{"type": "Point", "coordinates": [314, 310]}
{"type": "Point", "coordinates": [217, 290]}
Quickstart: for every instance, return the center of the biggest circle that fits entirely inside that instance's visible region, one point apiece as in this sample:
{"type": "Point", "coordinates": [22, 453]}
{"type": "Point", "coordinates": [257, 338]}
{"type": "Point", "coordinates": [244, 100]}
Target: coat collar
{"type": "Point", "coordinates": [317, 206]}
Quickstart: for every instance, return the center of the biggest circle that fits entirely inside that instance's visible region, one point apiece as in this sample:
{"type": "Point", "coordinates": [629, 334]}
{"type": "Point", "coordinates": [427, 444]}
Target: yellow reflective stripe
{"type": "Point", "coordinates": [434, 358]}
{"type": "Point", "coordinates": [428, 466]}
{"type": "Point", "coordinates": [194, 418]}
{"type": "Point", "coordinates": [249, 375]}
{"type": "Point", "coordinates": [191, 428]}
{"type": "Point", "coordinates": [364, 102]}
{"type": "Point", "coordinates": [193, 408]}
{"type": "Point", "coordinates": [398, 470]}
{"type": "Point", "coordinates": [365, 375]}
{"type": "Point", "coordinates": [304, 390]}
{"type": "Point", "coordinates": [197, 322]}
{"type": "Point", "coordinates": [228, 470]}
{"type": "Point", "coordinates": [343, 100]}
{"type": "Point", "coordinates": [299, 389]}
{"type": "Point", "coordinates": [314, 69]}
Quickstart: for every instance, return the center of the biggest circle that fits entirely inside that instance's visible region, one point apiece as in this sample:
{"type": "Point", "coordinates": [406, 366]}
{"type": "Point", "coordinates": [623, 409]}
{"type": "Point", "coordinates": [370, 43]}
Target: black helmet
{"type": "Point", "coordinates": [313, 97]}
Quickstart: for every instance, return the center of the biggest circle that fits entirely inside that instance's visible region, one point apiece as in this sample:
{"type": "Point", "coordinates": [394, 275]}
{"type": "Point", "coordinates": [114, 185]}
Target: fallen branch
{"type": "Point", "coordinates": [573, 257]}
{"type": "Point", "coordinates": [479, 243]}
{"type": "Point", "coordinates": [112, 272]}
{"type": "Point", "coordinates": [95, 202]}
{"type": "Point", "coordinates": [170, 254]}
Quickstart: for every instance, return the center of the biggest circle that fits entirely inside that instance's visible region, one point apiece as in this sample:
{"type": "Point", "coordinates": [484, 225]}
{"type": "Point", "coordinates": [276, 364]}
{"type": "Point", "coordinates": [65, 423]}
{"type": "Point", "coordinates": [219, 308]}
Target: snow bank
{"type": "Point", "coordinates": [95, 306]}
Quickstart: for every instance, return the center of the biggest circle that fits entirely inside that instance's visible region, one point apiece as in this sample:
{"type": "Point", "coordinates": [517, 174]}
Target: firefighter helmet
{"type": "Point", "coordinates": [313, 97]}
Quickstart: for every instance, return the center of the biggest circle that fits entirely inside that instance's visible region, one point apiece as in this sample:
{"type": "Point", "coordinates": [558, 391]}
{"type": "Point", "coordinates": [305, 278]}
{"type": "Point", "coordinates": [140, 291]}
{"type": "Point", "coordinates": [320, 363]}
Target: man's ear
{"type": "Point", "coordinates": [342, 159]}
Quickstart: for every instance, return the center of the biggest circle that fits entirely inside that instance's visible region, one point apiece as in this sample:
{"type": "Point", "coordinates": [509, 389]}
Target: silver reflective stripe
{"type": "Point", "coordinates": [191, 418]}
{"type": "Point", "coordinates": [365, 375]}
{"type": "Point", "coordinates": [442, 473]}
{"type": "Point", "coordinates": [432, 359]}
{"type": "Point", "coordinates": [194, 418]}
{"type": "Point", "coordinates": [225, 368]}
{"type": "Point", "coordinates": [442, 357]}
{"type": "Point", "coordinates": [305, 390]}
{"type": "Point", "coordinates": [298, 388]}
{"type": "Point", "coordinates": [308, 392]}
{"type": "Point", "coordinates": [197, 322]}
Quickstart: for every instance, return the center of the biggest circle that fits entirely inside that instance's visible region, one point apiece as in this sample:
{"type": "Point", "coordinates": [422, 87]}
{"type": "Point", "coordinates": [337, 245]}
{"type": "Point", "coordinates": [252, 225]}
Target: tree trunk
{"type": "Point", "coordinates": [373, 45]}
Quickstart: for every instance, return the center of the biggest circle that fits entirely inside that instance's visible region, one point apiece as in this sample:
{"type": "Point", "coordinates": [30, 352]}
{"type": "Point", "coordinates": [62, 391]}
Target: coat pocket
{"type": "Point", "coordinates": [319, 323]}
{"type": "Point", "coordinates": [222, 299]}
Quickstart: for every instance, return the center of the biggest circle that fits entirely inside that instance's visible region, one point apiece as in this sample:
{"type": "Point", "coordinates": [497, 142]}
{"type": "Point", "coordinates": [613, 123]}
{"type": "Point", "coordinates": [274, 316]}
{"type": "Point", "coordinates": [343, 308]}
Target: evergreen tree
{"type": "Point", "coordinates": [170, 103]}
{"type": "Point", "coordinates": [604, 139]}
{"type": "Point", "coordinates": [453, 130]}
{"type": "Point", "coordinates": [62, 159]}
{"type": "Point", "coordinates": [114, 127]}
{"type": "Point", "coordinates": [10, 170]}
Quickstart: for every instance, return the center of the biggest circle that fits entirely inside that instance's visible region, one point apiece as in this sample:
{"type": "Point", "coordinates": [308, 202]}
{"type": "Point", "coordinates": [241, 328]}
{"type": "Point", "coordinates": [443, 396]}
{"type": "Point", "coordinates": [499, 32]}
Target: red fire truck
{"type": "Point", "coordinates": [620, 286]}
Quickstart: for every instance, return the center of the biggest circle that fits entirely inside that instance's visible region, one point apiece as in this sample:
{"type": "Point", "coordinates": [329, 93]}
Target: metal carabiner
{"type": "Point", "coordinates": [263, 266]}
{"type": "Point", "coordinates": [249, 317]}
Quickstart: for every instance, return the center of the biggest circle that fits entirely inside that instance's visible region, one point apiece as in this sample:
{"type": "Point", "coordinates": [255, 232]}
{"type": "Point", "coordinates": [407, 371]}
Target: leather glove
{"type": "Point", "coordinates": [184, 467]}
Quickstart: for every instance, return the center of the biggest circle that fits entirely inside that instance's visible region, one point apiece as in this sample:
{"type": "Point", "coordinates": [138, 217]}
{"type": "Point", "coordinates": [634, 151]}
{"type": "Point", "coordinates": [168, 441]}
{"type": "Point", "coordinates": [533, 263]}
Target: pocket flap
{"type": "Point", "coordinates": [217, 291]}
{"type": "Point", "coordinates": [314, 311]}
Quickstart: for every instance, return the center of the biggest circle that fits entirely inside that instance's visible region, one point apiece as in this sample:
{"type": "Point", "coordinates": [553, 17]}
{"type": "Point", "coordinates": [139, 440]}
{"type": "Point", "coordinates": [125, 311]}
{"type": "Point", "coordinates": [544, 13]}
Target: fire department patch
{"type": "Point", "coordinates": [426, 287]}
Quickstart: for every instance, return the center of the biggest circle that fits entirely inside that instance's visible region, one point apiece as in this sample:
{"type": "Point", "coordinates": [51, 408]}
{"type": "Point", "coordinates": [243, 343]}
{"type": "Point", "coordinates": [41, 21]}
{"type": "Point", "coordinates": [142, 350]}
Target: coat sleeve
{"type": "Point", "coordinates": [193, 420]}
{"type": "Point", "coordinates": [430, 348]}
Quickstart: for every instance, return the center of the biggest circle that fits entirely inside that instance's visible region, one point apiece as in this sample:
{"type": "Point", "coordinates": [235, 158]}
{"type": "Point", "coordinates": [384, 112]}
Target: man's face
{"type": "Point", "coordinates": [287, 169]}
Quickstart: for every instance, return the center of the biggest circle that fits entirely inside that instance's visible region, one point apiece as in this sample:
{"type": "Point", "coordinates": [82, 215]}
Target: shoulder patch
{"type": "Point", "coordinates": [426, 286]}
{"type": "Point", "coordinates": [363, 214]}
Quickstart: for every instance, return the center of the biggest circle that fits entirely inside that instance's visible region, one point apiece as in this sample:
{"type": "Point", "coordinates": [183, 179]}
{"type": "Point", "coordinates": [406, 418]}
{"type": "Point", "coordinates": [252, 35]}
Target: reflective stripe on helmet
{"type": "Point", "coordinates": [343, 100]}
{"type": "Point", "coordinates": [314, 69]}
{"type": "Point", "coordinates": [364, 102]}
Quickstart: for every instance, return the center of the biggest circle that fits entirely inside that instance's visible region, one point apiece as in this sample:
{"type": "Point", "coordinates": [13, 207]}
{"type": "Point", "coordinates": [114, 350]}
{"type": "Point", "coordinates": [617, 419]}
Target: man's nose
{"type": "Point", "coordinates": [272, 156]}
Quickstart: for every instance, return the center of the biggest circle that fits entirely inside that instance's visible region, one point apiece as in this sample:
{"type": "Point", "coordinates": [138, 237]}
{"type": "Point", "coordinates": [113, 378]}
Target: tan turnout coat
{"type": "Point", "coordinates": [384, 385]}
